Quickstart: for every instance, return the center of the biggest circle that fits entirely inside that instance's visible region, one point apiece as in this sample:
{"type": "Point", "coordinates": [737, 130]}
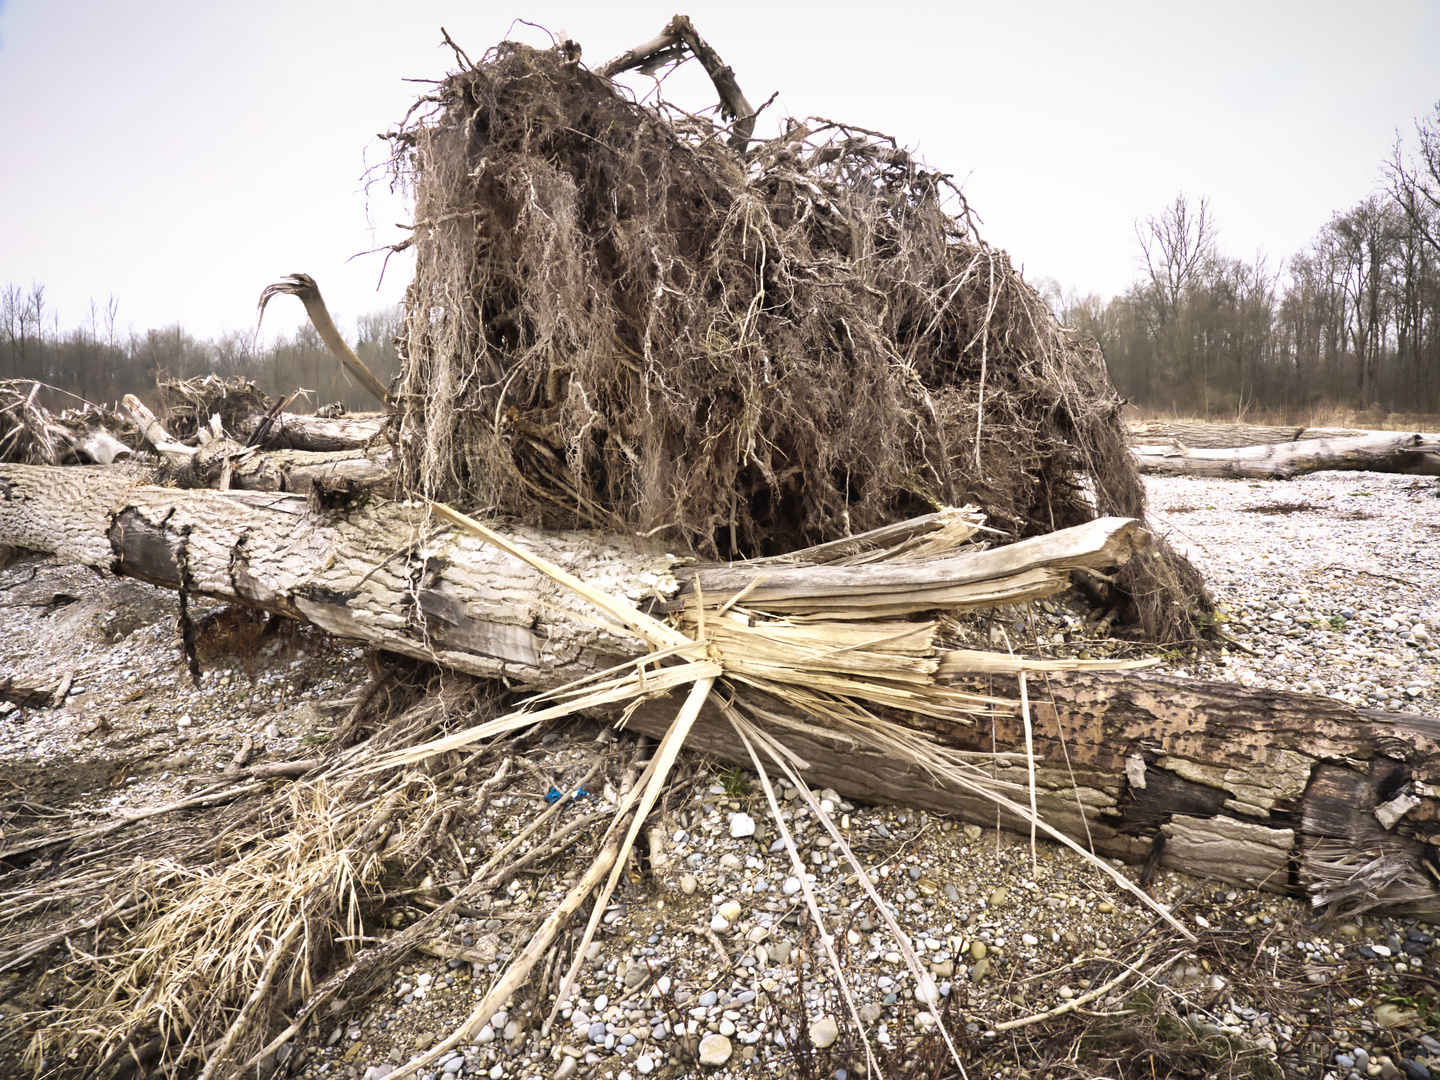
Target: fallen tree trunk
{"type": "Point", "coordinates": [1383, 452]}
{"type": "Point", "coordinates": [1289, 793]}
{"type": "Point", "coordinates": [1279, 791]}
{"type": "Point", "coordinates": [318, 434]}
{"type": "Point", "coordinates": [396, 578]}
{"type": "Point", "coordinates": [340, 475]}
{"type": "Point", "coordinates": [1211, 435]}
{"type": "Point", "coordinates": [1214, 436]}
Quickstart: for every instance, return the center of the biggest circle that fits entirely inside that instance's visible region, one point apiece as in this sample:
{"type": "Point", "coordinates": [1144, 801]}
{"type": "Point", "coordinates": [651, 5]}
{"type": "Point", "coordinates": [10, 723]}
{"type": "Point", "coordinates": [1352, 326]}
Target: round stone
{"type": "Point", "coordinates": [715, 1050]}
{"type": "Point", "coordinates": [927, 993]}
{"type": "Point", "coordinates": [823, 1032]}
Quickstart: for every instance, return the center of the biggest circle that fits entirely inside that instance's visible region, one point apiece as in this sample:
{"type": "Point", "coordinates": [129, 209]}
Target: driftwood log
{"type": "Point", "coordinates": [1378, 452]}
{"type": "Point", "coordinates": [318, 434]}
{"type": "Point", "coordinates": [1211, 435]}
{"type": "Point", "coordinates": [388, 574]}
{"type": "Point", "coordinates": [1287, 792]}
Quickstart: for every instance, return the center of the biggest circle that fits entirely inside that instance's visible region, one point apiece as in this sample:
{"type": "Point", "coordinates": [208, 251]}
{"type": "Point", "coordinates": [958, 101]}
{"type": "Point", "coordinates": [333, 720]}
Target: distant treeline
{"type": "Point", "coordinates": [101, 363]}
{"type": "Point", "coordinates": [1353, 321]}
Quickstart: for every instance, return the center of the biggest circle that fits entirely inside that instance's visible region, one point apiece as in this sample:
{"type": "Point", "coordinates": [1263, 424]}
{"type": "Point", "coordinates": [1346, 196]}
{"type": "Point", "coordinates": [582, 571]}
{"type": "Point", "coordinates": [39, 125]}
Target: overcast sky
{"type": "Point", "coordinates": [181, 155]}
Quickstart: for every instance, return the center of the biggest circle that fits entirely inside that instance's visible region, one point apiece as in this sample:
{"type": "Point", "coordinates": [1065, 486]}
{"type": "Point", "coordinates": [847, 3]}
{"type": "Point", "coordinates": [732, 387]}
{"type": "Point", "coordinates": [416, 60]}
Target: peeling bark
{"type": "Point", "coordinates": [1261, 788]}
{"type": "Point", "coordinates": [1287, 792]}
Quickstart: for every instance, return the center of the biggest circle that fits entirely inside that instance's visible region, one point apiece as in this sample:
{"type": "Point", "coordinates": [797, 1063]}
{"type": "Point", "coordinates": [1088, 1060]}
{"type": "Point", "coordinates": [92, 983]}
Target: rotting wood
{"type": "Point", "coordinates": [359, 467]}
{"type": "Point", "coordinates": [299, 471]}
{"type": "Point", "coordinates": [1384, 452]}
{"type": "Point", "coordinates": [26, 695]}
{"type": "Point", "coordinates": [1240, 783]}
{"type": "Point", "coordinates": [385, 573]}
{"type": "Point", "coordinates": [1257, 787]}
{"type": "Point", "coordinates": [30, 433]}
{"type": "Point", "coordinates": [1213, 436]}
{"type": "Point", "coordinates": [295, 431]}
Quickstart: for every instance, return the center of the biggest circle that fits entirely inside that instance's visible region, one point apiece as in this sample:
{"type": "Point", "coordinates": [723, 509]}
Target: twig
{"type": "Point", "coordinates": [1085, 999]}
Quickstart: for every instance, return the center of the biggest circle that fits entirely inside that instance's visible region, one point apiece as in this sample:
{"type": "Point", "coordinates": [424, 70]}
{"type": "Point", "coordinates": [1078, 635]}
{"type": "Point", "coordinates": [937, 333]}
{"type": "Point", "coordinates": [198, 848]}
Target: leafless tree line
{"type": "Point", "coordinates": [1352, 321]}
{"type": "Point", "coordinates": [101, 362]}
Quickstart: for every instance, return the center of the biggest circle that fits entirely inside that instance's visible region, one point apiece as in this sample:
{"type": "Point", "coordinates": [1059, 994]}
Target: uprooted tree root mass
{"type": "Point", "coordinates": [621, 321]}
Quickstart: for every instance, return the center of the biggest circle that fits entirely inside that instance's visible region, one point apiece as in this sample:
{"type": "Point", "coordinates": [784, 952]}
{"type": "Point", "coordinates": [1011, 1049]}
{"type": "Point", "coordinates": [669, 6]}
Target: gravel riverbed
{"type": "Point", "coordinates": [707, 961]}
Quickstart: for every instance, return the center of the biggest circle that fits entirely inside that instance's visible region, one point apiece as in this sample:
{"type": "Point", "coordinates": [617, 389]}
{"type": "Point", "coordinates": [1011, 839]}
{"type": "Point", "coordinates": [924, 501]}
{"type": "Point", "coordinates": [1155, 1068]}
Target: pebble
{"type": "Point", "coordinates": [715, 1050]}
{"type": "Point", "coordinates": [823, 1032]}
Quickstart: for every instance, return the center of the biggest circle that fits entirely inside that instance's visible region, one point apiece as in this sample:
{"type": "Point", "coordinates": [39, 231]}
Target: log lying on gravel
{"type": "Point", "coordinates": [1382, 452]}
{"type": "Point", "coordinates": [388, 574]}
{"type": "Point", "coordinates": [1280, 791]}
{"type": "Point", "coordinates": [1289, 793]}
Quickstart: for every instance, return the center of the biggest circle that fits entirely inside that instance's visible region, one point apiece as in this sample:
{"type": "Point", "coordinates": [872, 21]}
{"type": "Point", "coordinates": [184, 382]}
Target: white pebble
{"type": "Point", "coordinates": [741, 825]}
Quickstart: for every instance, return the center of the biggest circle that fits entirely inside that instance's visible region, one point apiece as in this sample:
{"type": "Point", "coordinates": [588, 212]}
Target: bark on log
{"type": "Point", "coordinates": [292, 431]}
{"type": "Point", "coordinates": [1385, 452]}
{"type": "Point", "coordinates": [1290, 793]}
{"type": "Point", "coordinates": [340, 475]}
{"type": "Point", "coordinates": [1206, 434]}
{"type": "Point", "coordinates": [1281, 791]}
{"type": "Point", "coordinates": [388, 574]}
{"type": "Point", "coordinates": [1212, 436]}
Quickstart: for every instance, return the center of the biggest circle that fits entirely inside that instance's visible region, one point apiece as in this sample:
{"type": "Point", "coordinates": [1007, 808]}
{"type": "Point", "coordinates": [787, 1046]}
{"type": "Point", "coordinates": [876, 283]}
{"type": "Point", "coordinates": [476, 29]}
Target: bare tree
{"type": "Point", "coordinates": [1175, 248]}
{"type": "Point", "coordinates": [1415, 183]}
{"type": "Point", "coordinates": [1367, 237]}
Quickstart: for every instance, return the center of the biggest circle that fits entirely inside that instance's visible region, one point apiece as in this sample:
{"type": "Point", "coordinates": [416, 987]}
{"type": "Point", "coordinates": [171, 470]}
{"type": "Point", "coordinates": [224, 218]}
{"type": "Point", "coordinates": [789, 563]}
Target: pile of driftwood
{"type": "Point", "coordinates": [736, 327]}
{"type": "Point", "coordinates": [33, 434]}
